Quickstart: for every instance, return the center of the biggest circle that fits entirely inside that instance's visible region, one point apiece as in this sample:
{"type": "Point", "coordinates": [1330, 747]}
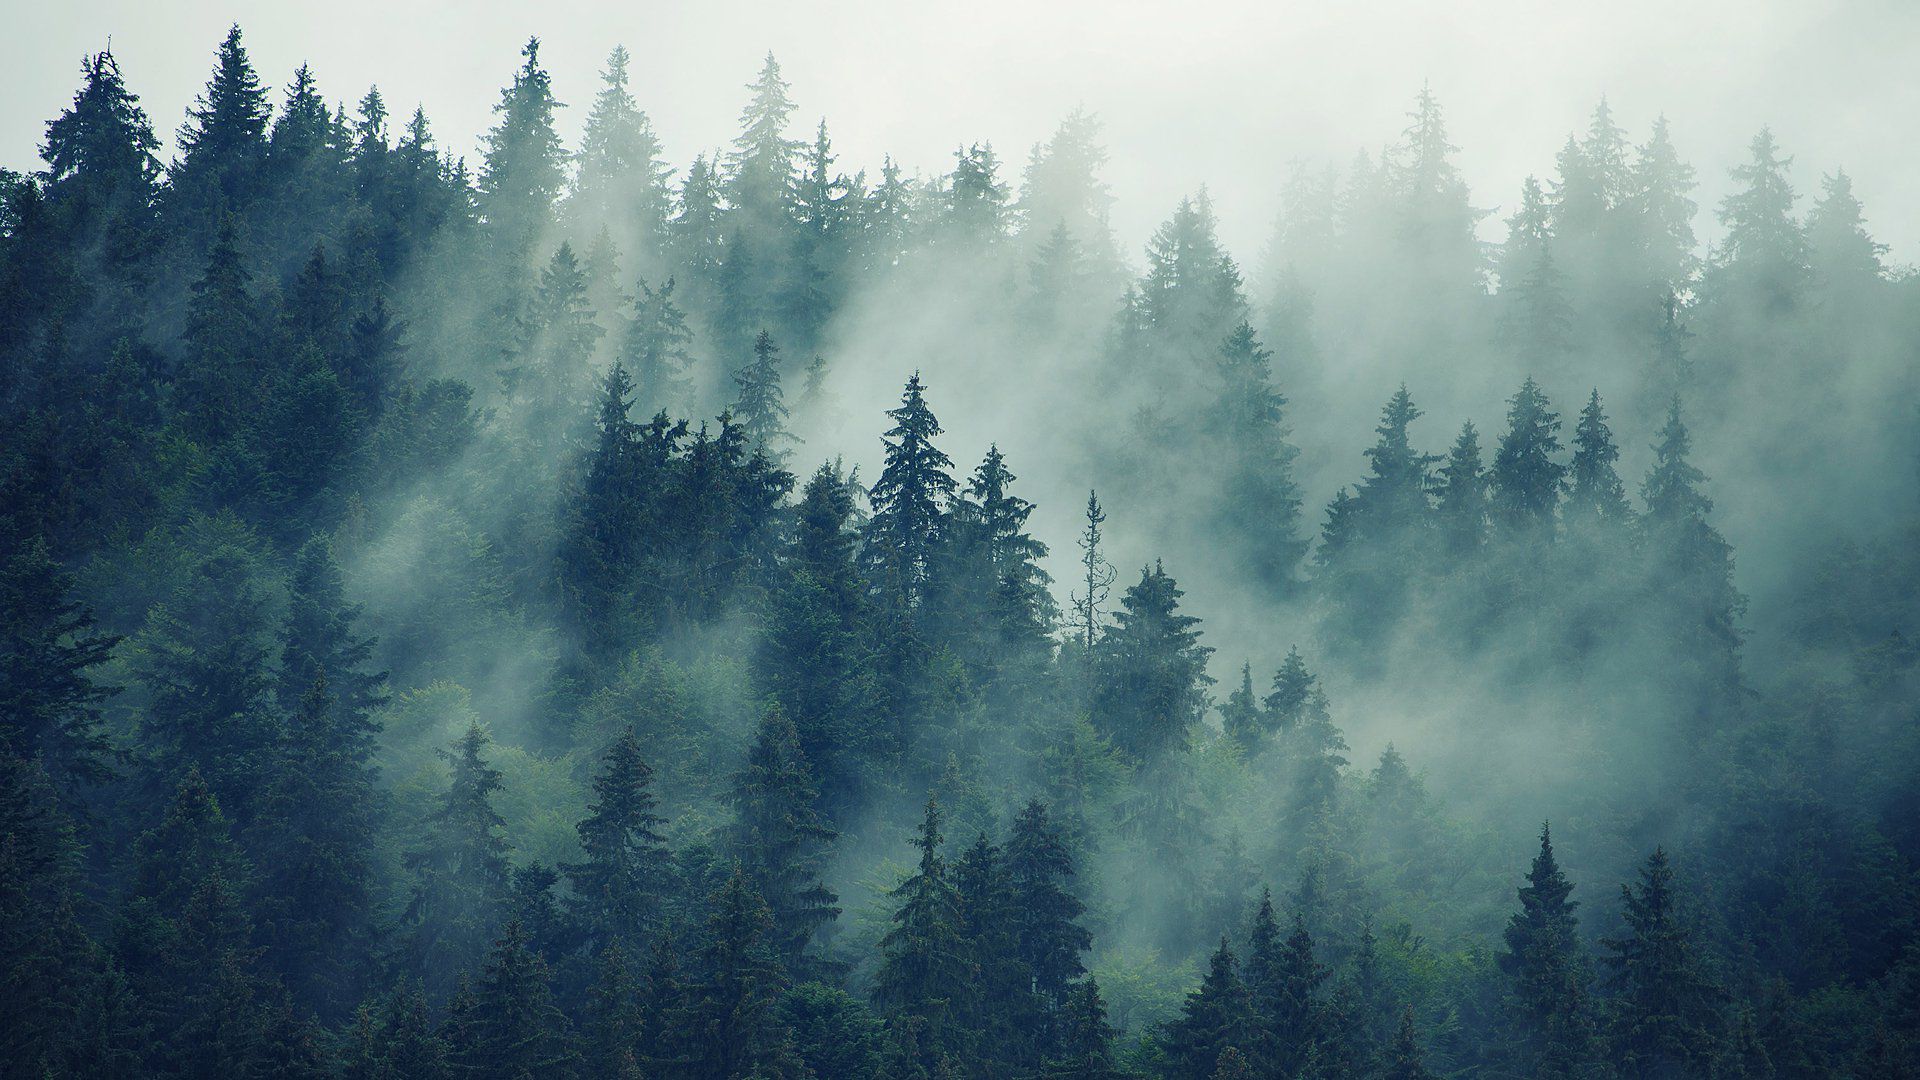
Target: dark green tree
{"type": "Point", "coordinates": [1152, 680]}
{"type": "Point", "coordinates": [780, 841]}
{"type": "Point", "coordinates": [1216, 1018]}
{"type": "Point", "coordinates": [1525, 480]}
{"type": "Point", "coordinates": [1548, 971]}
{"type": "Point", "coordinates": [923, 965]}
{"type": "Point", "coordinates": [509, 1027]}
{"type": "Point", "coordinates": [461, 893]}
{"type": "Point", "coordinates": [627, 870]}
{"type": "Point", "coordinates": [1665, 1016]}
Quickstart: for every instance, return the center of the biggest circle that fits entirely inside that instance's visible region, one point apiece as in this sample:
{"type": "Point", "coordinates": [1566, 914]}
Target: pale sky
{"type": "Point", "coordinates": [1224, 93]}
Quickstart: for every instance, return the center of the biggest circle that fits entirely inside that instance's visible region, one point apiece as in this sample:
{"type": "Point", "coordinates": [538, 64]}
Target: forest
{"type": "Point", "coordinates": [526, 617]}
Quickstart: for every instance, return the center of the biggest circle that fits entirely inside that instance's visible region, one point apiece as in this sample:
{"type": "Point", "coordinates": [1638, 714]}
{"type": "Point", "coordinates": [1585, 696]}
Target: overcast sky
{"type": "Point", "coordinates": [1201, 91]}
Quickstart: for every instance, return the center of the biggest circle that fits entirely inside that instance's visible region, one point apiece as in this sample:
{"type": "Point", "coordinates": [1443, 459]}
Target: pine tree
{"type": "Point", "coordinates": [396, 1038]}
{"type": "Point", "coordinates": [1543, 958]}
{"type": "Point", "coordinates": [1216, 1017]}
{"type": "Point", "coordinates": [621, 182]}
{"type": "Point", "coordinates": [655, 350]}
{"type": "Point", "coordinates": [1050, 939]}
{"type": "Point", "coordinates": [1404, 1060]}
{"type": "Point", "coordinates": [222, 143]}
{"type": "Point", "coordinates": [976, 199]}
{"type": "Point", "coordinates": [1462, 505]}
{"type": "Point", "coordinates": [729, 1017]}
{"type": "Point", "coordinates": [1666, 1009]}
{"type": "Point", "coordinates": [1535, 319]}
{"type": "Point", "coordinates": [552, 378]}
{"type": "Point", "coordinates": [923, 965]}
{"type": "Point", "coordinates": [102, 176]}
{"type": "Point", "coordinates": [511, 1028]}
{"type": "Point", "coordinates": [1152, 676]}
{"type": "Point", "coordinates": [1595, 496]}
{"type": "Point", "coordinates": [627, 868]}
{"type": "Point", "coordinates": [218, 387]}
{"type": "Point", "coordinates": [910, 502]}
{"type": "Point", "coordinates": [1525, 480]}
{"type": "Point", "coordinates": [1241, 717]}
{"type": "Point", "coordinates": [50, 703]}
{"type": "Point", "coordinates": [779, 840]}
{"type": "Point", "coordinates": [523, 170]}
{"type": "Point", "coordinates": [462, 888]}
{"type": "Point", "coordinates": [760, 170]}
{"type": "Point", "coordinates": [760, 406]}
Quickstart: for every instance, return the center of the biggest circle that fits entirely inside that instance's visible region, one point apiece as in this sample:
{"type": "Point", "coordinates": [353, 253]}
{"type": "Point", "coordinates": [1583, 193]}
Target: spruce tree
{"type": "Point", "coordinates": [1525, 480]}
{"type": "Point", "coordinates": [1096, 576]}
{"type": "Point", "coordinates": [221, 144]}
{"type": "Point", "coordinates": [1262, 501]}
{"type": "Point", "coordinates": [620, 182]}
{"type": "Point", "coordinates": [523, 169]}
{"type": "Point", "coordinates": [1216, 1017]}
{"type": "Point", "coordinates": [780, 841]}
{"type": "Point", "coordinates": [510, 1027]}
{"type": "Point", "coordinates": [1392, 501]}
{"type": "Point", "coordinates": [910, 502]}
{"type": "Point", "coordinates": [1293, 689]}
{"type": "Point", "coordinates": [1152, 672]}
{"type": "Point", "coordinates": [50, 703]}
{"type": "Point", "coordinates": [626, 869]}
{"type": "Point", "coordinates": [923, 964]}
{"type": "Point", "coordinates": [1595, 496]}
{"type": "Point", "coordinates": [1462, 504]}
{"type": "Point", "coordinates": [1404, 1057]}
{"type": "Point", "coordinates": [1666, 1013]}
{"type": "Point", "coordinates": [461, 893]}
{"type": "Point", "coordinates": [731, 1026]}
{"type": "Point", "coordinates": [1241, 716]}
{"type": "Point", "coordinates": [1764, 259]}
{"type": "Point", "coordinates": [655, 350]}
{"type": "Point", "coordinates": [1085, 1041]}
{"type": "Point", "coordinates": [1548, 973]}
{"type": "Point", "coordinates": [759, 405]}
{"type": "Point", "coordinates": [1050, 938]}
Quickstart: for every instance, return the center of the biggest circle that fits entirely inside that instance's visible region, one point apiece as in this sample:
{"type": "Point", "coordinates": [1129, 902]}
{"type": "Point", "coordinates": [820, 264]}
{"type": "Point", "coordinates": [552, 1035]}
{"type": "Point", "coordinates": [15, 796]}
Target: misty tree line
{"type": "Point", "coordinates": [401, 680]}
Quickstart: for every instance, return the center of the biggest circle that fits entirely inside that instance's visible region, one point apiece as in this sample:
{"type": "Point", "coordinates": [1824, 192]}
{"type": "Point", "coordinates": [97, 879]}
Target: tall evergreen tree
{"type": "Point", "coordinates": [523, 170]}
{"type": "Point", "coordinates": [1595, 495]}
{"type": "Point", "coordinates": [621, 182]}
{"type": "Point", "coordinates": [50, 701]}
{"type": "Point", "coordinates": [760, 406]}
{"type": "Point", "coordinates": [626, 870]}
{"type": "Point", "coordinates": [923, 964]}
{"type": "Point", "coordinates": [910, 502]}
{"type": "Point", "coordinates": [1525, 480]}
{"type": "Point", "coordinates": [1050, 938]}
{"type": "Point", "coordinates": [1216, 1018]}
{"type": "Point", "coordinates": [1462, 503]}
{"type": "Point", "coordinates": [510, 1027]}
{"type": "Point", "coordinates": [1666, 1009]}
{"type": "Point", "coordinates": [462, 890]}
{"type": "Point", "coordinates": [1152, 678]}
{"type": "Point", "coordinates": [731, 1027]}
{"type": "Point", "coordinates": [779, 840]}
{"type": "Point", "coordinates": [1544, 961]}
{"type": "Point", "coordinates": [221, 144]}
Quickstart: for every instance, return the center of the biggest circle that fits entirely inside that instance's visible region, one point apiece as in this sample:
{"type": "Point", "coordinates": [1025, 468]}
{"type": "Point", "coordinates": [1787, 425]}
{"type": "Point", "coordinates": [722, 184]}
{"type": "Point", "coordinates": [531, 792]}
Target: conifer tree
{"type": "Point", "coordinates": [816, 658]}
{"type": "Point", "coordinates": [729, 1018]}
{"type": "Point", "coordinates": [910, 502]}
{"type": "Point", "coordinates": [1763, 260]}
{"type": "Point", "coordinates": [50, 703]}
{"type": "Point", "coordinates": [1393, 500]}
{"type": "Point", "coordinates": [780, 838]}
{"type": "Point", "coordinates": [510, 1027]}
{"type": "Point", "coordinates": [1096, 576]}
{"type": "Point", "coordinates": [626, 870]}
{"type": "Point", "coordinates": [923, 964]}
{"type": "Point", "coordinates": [203, 658]}
{"type": "Point", "coordinates": [462, 890]}
{"type": "Point", "coordinates": [1657, 198]}
{"type": "Point", "coordinates": [217, 389]}
{"type": "Point", "coordinates": [1152, 679]}
{"type": "Point", "coordinates": [1462, 504]}
{"type": "Point", "coordinates": [1595, 495]}
{"type": "Point", "coordinates": [522, 173]}
{"type": "Point", "coordinates": [621, 182]}
{"type": "Point", "coordinates": [1842, 254]}
{"type": "Point", "coordinates": [1262, 500]}
{"type": "Point", "coordinates": [1525, 480]}
{"type": "Point", "coordinates": [1293, 689]}
{"type": "Point", "coordinates": [656, 352]}
{"type": "Point", "coordinates": [1283, 985]}
{"type": "Point", "coordinates": [1241, 716]}
{"type": "Point", "coordinates": [1404, 1058]}
{"type": "Point", "coordinates": [976, 199]}
{"type": "Point", "coordinates": [1549, 973]}
{"type": "Point", "coordinates": [222, 142]}
{"type": "Point", "coordinates": [760, 170]}
{"type": "Point", "coordinates": [1666, 1008]}
{"type": "Point", "coordinates": [1085, 1041]}
{"type": "Point", "coordinates": [1216, 1017]}
{"type": "Point", "coordinates": [102, 175]}
{"type": "Point", "coordinates": [1050, 938]}
{"type": "Point", "coordinates": [760, 406]}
